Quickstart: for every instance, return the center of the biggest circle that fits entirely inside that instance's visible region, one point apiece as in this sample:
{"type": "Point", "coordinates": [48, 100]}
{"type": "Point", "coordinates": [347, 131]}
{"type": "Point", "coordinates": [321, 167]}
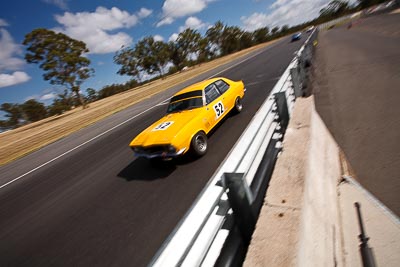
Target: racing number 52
{"type": "Point", "coordinates": [163, 126]}
{"type": "Point", "coordinates": [219, 109]}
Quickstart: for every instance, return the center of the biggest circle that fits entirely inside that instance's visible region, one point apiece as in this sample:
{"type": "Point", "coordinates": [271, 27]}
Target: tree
{"type": "Point", "coordinates": [204, 52]}
{"type": "Point", "coordinates": [61, 58]}
{"type": "Point", "coordinates": [62, 103]}
{"type": "Point", "coordinates": [162, 55]}
{"type": "Point", "coordinates": [188, 42]}
{"type": "Point", "coordinates": [284, 29]}
{"type": "Point", "coordinates": [178, 57]}
{"type": "Point", "coordinates": [57, 108]}
{"type": "Point", "coordinates": [152, 55]}
{"type": "Point", "coordinates": [13, 114]}
{"type": "Point", "coordinates": [275, 30]}
{"type": "Point", "coordinates": [246, 40]}
{"type": "Point", "coordinates": [145, 56]}
{"type": "Point", "coordinates": [116, 88]}
{"type": "Point", "coordinates": [91, 95]}
{"type": "Point", "coordinates": [148, 56]}
{"type": "Point", "coordinates": [129, 62]}
{"type": "Point", "coordinates": [33, 110]}
{"type": "Point", "coordinates": [260, 35]}
{"type": "Point", "coordinates": [231, 36]}
{"type": "Point", "coordinates": [215, 34]}
{"type": "Point", "coordinates": [335, 7]}
{"type": "Point", "coordinates": [3, 125]}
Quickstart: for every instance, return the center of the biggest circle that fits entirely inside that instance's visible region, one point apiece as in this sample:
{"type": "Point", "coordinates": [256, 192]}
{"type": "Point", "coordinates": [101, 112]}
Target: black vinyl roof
{"type": "Point", "coordinates": [187, 95]}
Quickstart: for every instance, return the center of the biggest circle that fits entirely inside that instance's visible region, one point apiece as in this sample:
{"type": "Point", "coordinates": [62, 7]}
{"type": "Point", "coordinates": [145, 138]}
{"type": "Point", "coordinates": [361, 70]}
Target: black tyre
{"type": "Point", "coordinates": [238, 105]}
{"type": "Point", "coordinates": [199, 144]}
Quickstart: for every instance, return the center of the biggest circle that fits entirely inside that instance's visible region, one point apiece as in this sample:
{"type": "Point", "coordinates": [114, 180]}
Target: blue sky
{"type": "Point", "coordinates": [107, 25]}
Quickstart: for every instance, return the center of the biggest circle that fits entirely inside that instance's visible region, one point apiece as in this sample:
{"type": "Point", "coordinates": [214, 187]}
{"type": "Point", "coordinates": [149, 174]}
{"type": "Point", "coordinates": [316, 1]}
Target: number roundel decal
{"type": "Point", "coordinates": [163, 126]}
{"type": "Point", "coordinates": [219, 109]}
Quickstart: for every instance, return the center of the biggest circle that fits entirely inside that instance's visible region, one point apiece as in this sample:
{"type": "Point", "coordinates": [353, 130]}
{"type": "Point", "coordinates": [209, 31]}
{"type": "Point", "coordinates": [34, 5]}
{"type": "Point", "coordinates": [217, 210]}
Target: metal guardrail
{"type": "Point", "coordinates": [218, 227]}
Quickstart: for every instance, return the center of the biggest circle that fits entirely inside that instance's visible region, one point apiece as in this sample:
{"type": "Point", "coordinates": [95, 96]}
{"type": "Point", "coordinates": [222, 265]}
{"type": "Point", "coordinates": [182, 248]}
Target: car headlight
{"type": "Point", "coordinates": [136, 149]}
{"type": "Point", "coordinates": [171, 149]}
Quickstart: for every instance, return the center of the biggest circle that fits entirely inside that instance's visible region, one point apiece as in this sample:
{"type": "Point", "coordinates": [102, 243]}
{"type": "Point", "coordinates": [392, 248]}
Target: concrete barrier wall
{"type": "Point", "coordinates": [320, 227]}
{"type": "Point", "coordinates": [299, 222]}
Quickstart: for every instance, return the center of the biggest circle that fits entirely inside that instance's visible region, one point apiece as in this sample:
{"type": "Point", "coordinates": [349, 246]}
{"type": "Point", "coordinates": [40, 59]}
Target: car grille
{"type": "Point", "coordinates": [158, 149]}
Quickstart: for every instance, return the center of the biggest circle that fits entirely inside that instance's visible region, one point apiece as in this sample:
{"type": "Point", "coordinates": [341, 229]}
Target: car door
{"type": "Point", "coordinates": [227, 99]}
{"type": "Point", "coordinates": [214, 105]}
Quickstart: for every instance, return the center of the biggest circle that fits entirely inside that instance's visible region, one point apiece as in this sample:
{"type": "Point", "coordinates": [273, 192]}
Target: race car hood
{"type": "Point", "coordinates": [164, 130]}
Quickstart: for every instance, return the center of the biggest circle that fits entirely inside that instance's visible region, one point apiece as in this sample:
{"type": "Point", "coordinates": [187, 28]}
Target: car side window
{"type": "Point", "coordinates": [222, 86]}
{"type": "Point", "coordinates": [211, 93]}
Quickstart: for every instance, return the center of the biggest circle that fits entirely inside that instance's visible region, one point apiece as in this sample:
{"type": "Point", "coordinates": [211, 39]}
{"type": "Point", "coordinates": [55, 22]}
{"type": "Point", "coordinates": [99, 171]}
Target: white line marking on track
{"type": "Point", "coordinates": [78, 146]}
{"type": "Point", "coordinates": [118, 125]}
{"type": "Point", "coordinates": [164, 102]}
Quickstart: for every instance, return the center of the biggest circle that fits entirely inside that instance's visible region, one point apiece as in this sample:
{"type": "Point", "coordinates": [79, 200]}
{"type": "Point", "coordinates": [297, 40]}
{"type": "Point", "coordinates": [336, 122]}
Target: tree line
{"type": "Point", "coordinates": [64, 63]}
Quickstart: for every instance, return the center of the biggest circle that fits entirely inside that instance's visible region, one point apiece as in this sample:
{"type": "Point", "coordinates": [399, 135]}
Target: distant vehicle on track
{"type": "Point", "coordinates": [296, 36]}
{"type": "Point", "coordinates": [191, 114]}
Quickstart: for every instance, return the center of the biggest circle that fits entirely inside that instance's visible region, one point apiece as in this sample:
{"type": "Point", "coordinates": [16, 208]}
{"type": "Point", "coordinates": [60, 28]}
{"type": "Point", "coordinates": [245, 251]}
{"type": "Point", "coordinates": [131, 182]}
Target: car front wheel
{"type": "Point", "coordinates": [199, 144]}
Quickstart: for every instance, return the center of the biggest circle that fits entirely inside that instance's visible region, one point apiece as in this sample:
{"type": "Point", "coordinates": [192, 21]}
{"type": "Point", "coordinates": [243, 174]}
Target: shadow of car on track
{"type": "Point", "coordinates": [141, 169]}
{"type": "Point", "coordinates": [145, 170]}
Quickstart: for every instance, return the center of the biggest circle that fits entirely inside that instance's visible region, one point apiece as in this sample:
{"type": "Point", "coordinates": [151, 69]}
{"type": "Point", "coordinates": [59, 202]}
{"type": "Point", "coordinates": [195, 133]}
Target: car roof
{"type": "Point", "coordinates": [198, 86]}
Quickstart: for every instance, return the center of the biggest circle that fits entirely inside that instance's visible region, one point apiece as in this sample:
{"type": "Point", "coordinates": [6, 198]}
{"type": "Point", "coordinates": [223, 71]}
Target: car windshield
{"type": "Point", "coordinates": [185, 104]}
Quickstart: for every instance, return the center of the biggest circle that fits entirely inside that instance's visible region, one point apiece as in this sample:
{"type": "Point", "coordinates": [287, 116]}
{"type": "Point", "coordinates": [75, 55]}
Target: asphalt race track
{"type": "Point", "coordinates": [96, 205]}
{"type": "Point", "coordinates": [356, 88]}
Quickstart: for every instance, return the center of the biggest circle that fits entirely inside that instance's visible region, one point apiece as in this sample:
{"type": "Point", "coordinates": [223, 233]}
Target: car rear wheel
{"type": "Point", "coordinates": [199, 144]}
{"type": "Point", "coordinates": [238, 104]}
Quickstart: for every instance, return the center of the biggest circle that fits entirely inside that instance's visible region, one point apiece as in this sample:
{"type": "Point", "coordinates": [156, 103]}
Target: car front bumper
{"type": "Point", "coordinates": [162, 154]}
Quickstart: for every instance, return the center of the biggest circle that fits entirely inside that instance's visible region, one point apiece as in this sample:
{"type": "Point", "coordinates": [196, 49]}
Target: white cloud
{"type": "Point", "coordinates": [14, 78]}
{"type": "Point", "coordinates": [291, 12]}
{"type": "Point", "coordinates": [48, 96]}
{"type": "Point", "coordinates": [3, 23]}
{"type": "Point", "coordinates": [165, 21]}
{"type": "Point", "coordinates": [9, 61]}
{"type": "Point", "coordinates": [173, 9]}
{"type": "Point", "coordinates": [279, 3]}
{"type": "Point", "coordinates": [173, 37]}
{"type": "Point", "coordinates": [8, 50]}
{"type": "Point", "coordinates": [255, 21]}
{"type": "Point", "coordinates": [144, 12]}
{"type": "Point", "coordinates": [93, 27]}
{"type": "Point", "coordinates": [45, 97]}
{"type": "Point", "coordinates": [158, 37]}
{"type": "Point", "coordinates": [59, 3]}
{"type": "Point", "coordinates": [192, 23]}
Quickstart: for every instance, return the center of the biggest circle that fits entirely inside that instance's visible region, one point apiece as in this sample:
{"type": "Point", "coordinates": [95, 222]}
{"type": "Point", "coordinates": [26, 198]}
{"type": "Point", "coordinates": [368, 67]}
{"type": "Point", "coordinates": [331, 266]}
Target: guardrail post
{"type": "Point", "coordinates": [297, 87]}
{"type": "Point", "coordinates": [239, 198]}
{"type": "Point", "coordinates": [263, 175]}
{"type": "Point", "coordinates": [282, 110]}
{"type": "Point", "coordinates": [303, 64]}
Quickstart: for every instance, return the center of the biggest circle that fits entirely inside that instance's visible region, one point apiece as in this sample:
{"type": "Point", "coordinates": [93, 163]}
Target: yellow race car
{"type": "Point", "coordinates": [191, 114]}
